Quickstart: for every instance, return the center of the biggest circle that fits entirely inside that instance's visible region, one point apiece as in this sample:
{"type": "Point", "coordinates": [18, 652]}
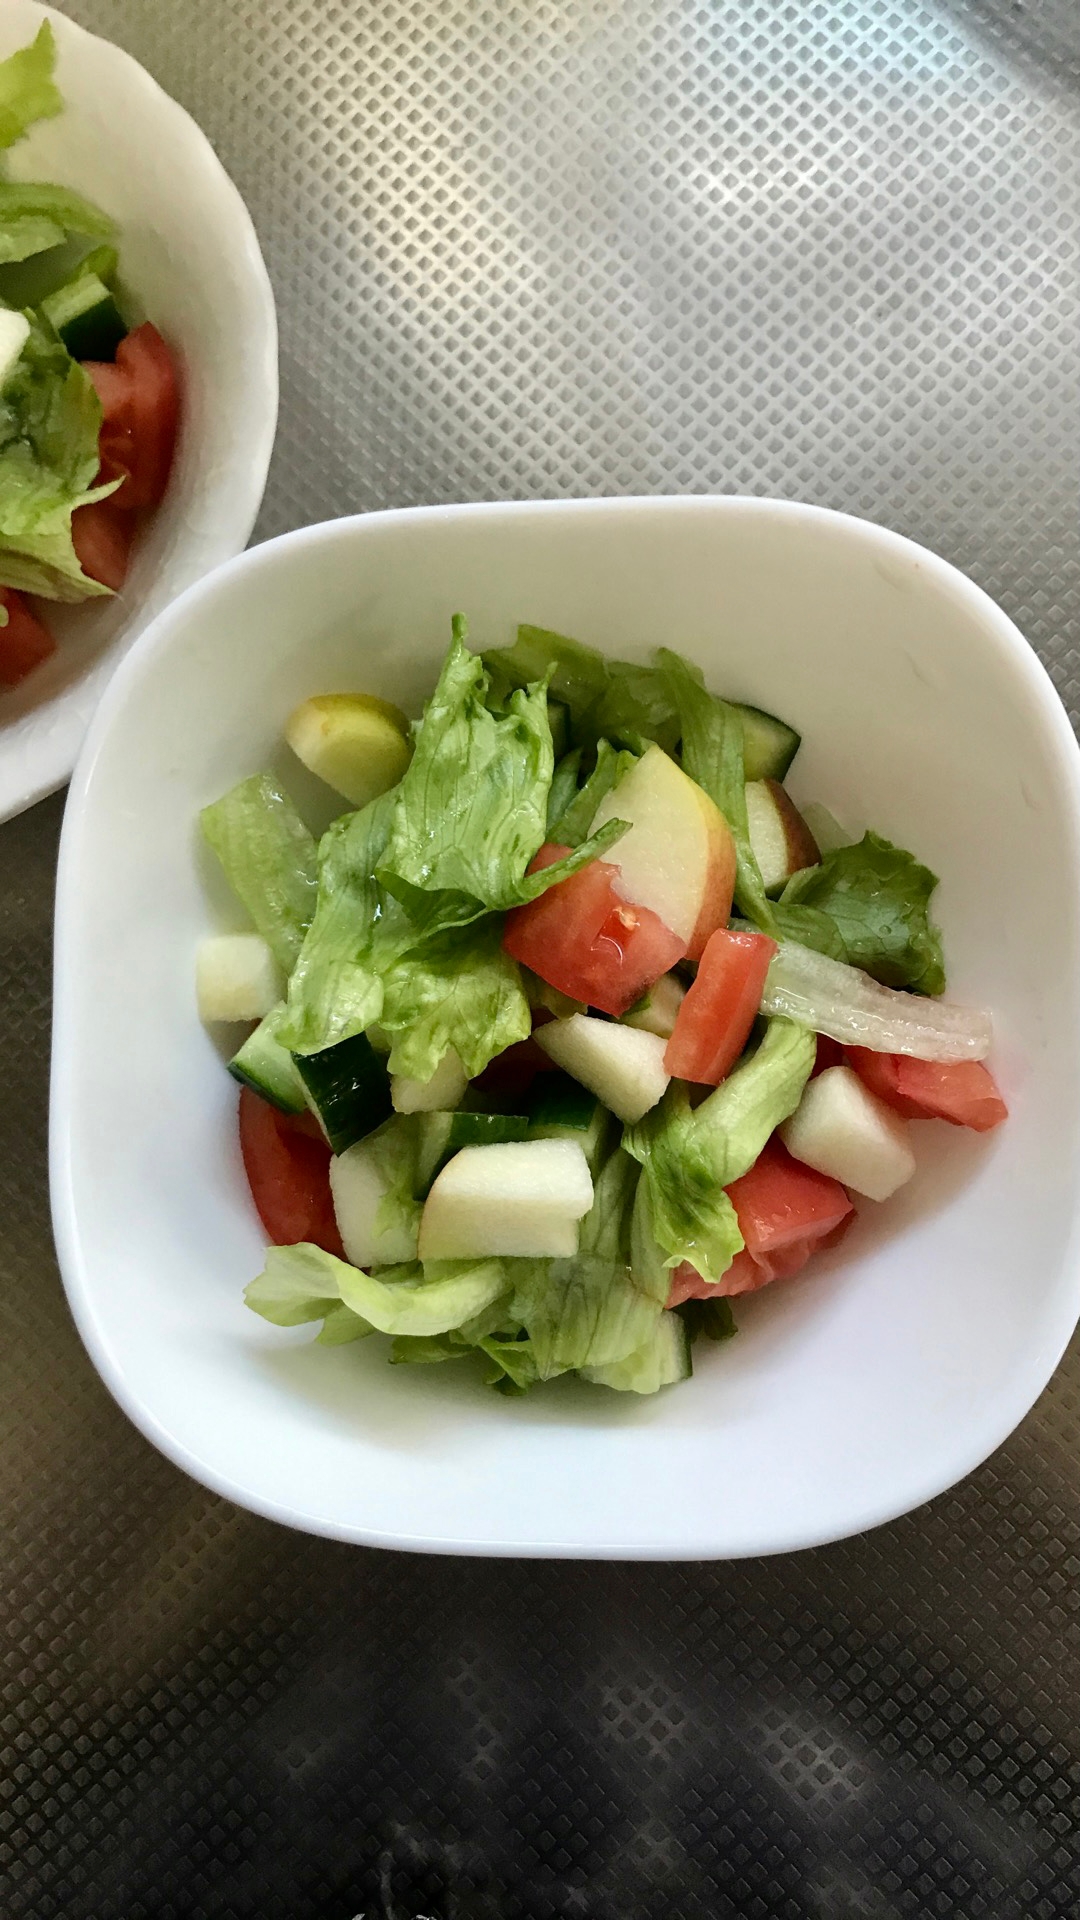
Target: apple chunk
{"type": "Point", "coordinates": [678, 859]}
{"type": "Point", "coordinates": [781, 840]}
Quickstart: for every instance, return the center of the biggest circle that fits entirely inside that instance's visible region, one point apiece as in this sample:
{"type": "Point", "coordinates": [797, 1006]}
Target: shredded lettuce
{"type": "Point", "coordinates": [636, 706]}
{"type": "Point", "coordinates": [454, 990]}
{"type": "Point", "coordinates": [50, 417]}
{"type": "Point", "coordinates": [877, 897]}
{"type": "Point", "coordinates": [305, 1283]}
{"type": "Point", "coordinates": [662, 1360]}
{"type": "Point", "coordinates": [472, 806]}
{"type": "Point", "coordinates": [690, 1155]}
{"type": "Point", "coordinates": [269, 858]}
{"type": "Point", "coordinates": [35, 217]}
{"type": "Point", "coordinates": [572, 826]}
{"type": "Point", "coordinates": [712, 754]}
{"type": "Point", "coordinates": [588, 1311]}
{"type": "Point", "coordinates": [576, 676]}
{"type": "Point", "coordinates": [27, 89]}
{"type": "Point", "coordinates": [564, 785]}
{"type": "Point", "coordinates": [356, 931]}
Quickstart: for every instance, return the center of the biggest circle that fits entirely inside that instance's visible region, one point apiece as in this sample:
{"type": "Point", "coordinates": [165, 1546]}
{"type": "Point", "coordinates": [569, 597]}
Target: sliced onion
{"type": "Point", "coordinates": [848, 1006]}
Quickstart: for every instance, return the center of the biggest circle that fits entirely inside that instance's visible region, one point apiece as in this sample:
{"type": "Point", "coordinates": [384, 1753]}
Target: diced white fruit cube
{"type": "Point", "coordinates": [14, 334]}
{"type": "Point", "coordinates": [519, 1199]}
{"type": "Point", "coordinates": [621, 1065]}
{"type": "Point", "coordinates": [661, 1009]}
{"type": "Point", "coordinates": [440, 1094]}
{"type": "Point", "coordinates": [359, 1188]}
{"type": "Point", "coordinates": [236, 977]}
{"type": "Point", "coordinates": [843, 1129]}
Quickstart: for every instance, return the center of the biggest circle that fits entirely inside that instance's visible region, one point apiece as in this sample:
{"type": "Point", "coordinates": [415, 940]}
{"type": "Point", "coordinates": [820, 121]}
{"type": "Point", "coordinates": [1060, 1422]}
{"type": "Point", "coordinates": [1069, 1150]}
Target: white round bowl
{"type": "Point", "coordinates": [849, 1396]}
{"type": "Point", "coordinates": [189, 255]}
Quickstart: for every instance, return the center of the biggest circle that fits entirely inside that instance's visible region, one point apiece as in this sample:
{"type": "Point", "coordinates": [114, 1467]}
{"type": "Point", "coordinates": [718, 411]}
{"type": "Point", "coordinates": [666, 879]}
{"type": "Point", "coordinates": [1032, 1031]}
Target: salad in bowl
{"type": "Point", "coordinates": [572, 1028]}
{"type": "Point", "coordinates": [89, 394]}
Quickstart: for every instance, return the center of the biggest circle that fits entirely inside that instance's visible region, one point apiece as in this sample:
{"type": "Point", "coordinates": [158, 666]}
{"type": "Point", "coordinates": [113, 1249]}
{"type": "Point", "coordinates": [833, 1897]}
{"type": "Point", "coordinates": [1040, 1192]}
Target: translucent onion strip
{"type": "Point", "coordinates": [848, 1006]}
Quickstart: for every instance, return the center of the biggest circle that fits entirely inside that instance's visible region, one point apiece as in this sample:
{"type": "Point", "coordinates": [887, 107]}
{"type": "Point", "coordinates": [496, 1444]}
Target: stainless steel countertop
{"type": "Point", "coordinates": [820, 248]}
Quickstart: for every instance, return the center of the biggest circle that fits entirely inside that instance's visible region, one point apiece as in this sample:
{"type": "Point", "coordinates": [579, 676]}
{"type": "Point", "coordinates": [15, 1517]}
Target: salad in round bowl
{"type": "Point", "coordinates": [138, 376]}
{"type": "Point", "coordinates": [617, 1000]}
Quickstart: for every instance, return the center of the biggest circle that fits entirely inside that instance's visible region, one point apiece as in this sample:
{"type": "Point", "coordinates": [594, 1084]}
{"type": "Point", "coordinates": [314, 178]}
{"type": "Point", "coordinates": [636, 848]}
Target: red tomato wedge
{"type": "Point", "coordinates": [288, 1172]}
{"type": "Point", "coordinates": [717, 1014]}
{"type": "Point", "coordinates": [140, 407]}
{"type": "Point", "coordinates": [583, 939]}
{"type": "Point", "coordinates": [102, 536]}
{"type": "Point", "coordinates": [786, 1212]}
{"type": "Point", "coordinates": [24, 642]}
{"type": "Point", "coordinates": [963, 1092]}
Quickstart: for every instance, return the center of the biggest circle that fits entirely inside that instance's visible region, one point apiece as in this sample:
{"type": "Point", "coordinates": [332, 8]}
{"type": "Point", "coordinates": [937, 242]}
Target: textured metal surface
{"type": "Point", "coordinates": [820, 248]}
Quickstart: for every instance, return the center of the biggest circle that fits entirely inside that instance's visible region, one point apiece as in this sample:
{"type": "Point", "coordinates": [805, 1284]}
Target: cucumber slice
{"type": "Point", "coordinates": [769, 744]}
{"type": "Point", "coordinates": [662, 1362]}
{"type": "Point", "coordinates": [372, 1233]}
{"type": "Point", "coordinates": [359, 745]}
{"type": "Point", "coordinates": [348, 1089]}
{"type": "Point", "coordinates": [561, 1109]}
{"type": "Point", "coordinates": [86, 317]}
{"type": "Point", "coordinates": [444, 1134]}
{"type": "Point", "coordinates": [268, 1068]}
{"type": "Point", "coordinates": [559, 1102]}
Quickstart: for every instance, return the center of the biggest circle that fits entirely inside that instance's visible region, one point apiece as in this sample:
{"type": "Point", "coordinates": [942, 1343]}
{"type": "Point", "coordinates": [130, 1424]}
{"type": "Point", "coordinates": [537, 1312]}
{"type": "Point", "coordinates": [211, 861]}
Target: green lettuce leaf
{"type": "Point", "coordinates": [712, 754]}
{"type": "Point", "coordinates": [414, 1350]}
{"type": "Point", "coordinates": [572, 826]}
{"type": "Point", "coordinates": [304, 1283]}
{"type": "Point", "coordinates": [472, 806]}
{"type": "Point", "coordinates": [588, 1311]}
{"type": "Point", "coordinates": [35, 217]}
{"type": "Point", "coordinates": [877, 897]}
{"type": "Point", "coordinates": [637, 706]}
{"type": "Point", "coordinates": [269, 858]}
{"type": "Point", "coordinates": [50, 417]}
{"type": "Point", "coordinates": [27, 89]}
{"type": "Point", "coordinates": [356, 933]}
{"type": "Point", "coordinates": [513, 1367]}
{"type": "Point", "coordinates": [564, 785]}
{"type": "Point", "coordinates": [454, 990]}
{"type": "Point", "coordinates": [691, 1155]}
{"type": "Point", "coordinates": [662, 1360]}
{"type": "Point", "coordinates": [577, 676]}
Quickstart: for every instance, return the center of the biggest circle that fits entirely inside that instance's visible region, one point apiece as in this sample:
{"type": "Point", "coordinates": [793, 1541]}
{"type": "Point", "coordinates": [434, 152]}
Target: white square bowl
{"type": "Point", "coordinates": [190, 259]}
{"type": "Point", "coordinates": [848, 1396]}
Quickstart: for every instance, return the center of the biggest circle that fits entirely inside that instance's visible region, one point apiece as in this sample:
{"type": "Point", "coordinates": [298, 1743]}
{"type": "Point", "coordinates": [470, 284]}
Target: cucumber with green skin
{"type": "Point", "coordinates": [444, 1134]}
{"type": "Point", "coordinates": [769, 744]}
{"type": "Point", "coordinates": [560, 1108]}
{"type": "Point", "coordinates": [268, 1068]}
{"type": "Point", "coordinates": [348, 1090]}
{"type": "Point", "coordinates": [86, 318]}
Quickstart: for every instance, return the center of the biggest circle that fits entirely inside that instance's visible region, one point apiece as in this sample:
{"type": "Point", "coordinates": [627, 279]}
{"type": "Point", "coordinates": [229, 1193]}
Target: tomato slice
{"type": "Point", "coordinates": [154, 403]}
{"type": "Point", "coordinates": [582, 938]}
{"type": "Point", "coordinates": [786, 1212]}
{"type": "Point", "coordinates": [829, 1054]}
{"type": "Point", "coordinates": [964, 1092]}
{"type": "Point", "coordinates": [715, 1019]}
{"type": "Point", "coordinates": [140, 409]}
{"type": "Point", "coordinates": [24, 642]}
{"type": "Point", "coordinates": [102, 536]}
{"type": "Point", "coordinates": [288, 1172]}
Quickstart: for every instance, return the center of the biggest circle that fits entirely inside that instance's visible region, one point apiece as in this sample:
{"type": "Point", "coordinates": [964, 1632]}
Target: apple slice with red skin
{"type": "Point", "coordinates": [781, 840]}
{"type": "Point", "coordinates": [678, 858]}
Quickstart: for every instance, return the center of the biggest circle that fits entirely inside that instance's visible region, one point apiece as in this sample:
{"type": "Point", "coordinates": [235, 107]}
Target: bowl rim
{"type": "Point", "coordinates": [983, 1437]}
{"type": "Point", "coordinates": [49, 754]}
